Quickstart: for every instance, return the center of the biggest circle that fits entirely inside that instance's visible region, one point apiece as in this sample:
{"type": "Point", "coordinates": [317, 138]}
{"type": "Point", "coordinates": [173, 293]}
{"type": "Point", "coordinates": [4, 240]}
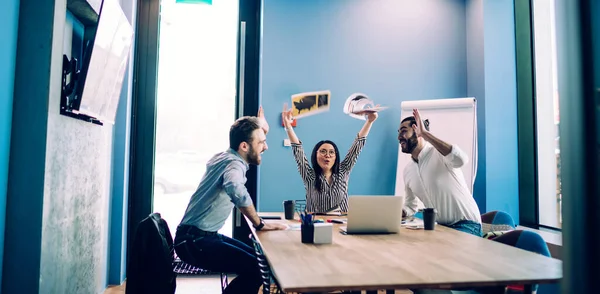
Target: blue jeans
{"type": "Point", "coordinates": [468, 226]}
{"type": "Point", "coordinates": [219, 253]}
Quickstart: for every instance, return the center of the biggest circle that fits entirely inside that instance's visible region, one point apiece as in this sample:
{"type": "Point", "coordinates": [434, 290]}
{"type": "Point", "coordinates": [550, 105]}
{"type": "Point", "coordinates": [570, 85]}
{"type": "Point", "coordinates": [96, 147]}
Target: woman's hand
{"type": "Point", "coordinates": [263, 121]}
{"type": "Point", "coordinates": [372, 116]}
{"type": "Point", "coordinates": [286, 116]}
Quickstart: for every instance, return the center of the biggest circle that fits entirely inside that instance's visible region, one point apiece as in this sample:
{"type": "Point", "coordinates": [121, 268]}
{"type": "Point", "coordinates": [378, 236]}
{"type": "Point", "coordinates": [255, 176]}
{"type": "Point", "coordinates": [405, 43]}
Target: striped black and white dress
{"type": "Point", "coordinates": [334, 195]}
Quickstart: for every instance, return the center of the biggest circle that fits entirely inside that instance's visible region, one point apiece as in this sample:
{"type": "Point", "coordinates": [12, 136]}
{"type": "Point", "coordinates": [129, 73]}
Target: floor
{"type": "Point", "coordinates": [199, 285]}
{"type": "Point", "coordinates": [185, 285]}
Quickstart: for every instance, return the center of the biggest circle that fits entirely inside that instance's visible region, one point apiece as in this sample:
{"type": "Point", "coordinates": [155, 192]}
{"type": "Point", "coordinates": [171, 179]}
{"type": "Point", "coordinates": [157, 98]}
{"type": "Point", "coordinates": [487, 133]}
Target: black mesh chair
{"type": "Point", "coordinates": [265, 270]}
{"type": "Point", "coordinates": [181, 267]}
{"type": "Point", "coordinates": [224, 281]}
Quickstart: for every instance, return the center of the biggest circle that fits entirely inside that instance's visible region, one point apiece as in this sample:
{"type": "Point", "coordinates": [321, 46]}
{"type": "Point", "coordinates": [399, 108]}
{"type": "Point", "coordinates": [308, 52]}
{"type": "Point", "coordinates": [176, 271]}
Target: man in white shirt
{"type": "Point", "coordinates": [435, 177]}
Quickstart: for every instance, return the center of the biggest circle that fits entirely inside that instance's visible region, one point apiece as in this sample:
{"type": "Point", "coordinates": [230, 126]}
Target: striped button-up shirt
{"type": "Point", "coordinates": [334, 195]}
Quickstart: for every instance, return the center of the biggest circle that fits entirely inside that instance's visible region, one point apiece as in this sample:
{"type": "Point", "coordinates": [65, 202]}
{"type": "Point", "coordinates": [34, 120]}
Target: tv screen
{"type": "Point", "coordinates": [98, 84]}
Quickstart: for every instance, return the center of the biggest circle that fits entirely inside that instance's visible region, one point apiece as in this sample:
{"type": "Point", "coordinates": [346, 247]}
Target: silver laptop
{"type": "Point", "coordinates": [374, 215]}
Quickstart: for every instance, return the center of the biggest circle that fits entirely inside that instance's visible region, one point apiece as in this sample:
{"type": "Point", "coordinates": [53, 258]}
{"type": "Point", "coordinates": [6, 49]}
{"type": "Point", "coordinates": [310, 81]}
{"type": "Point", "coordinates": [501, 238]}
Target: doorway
{"type": "Point", "coordinates": [174, 118]}
{"type": "Point", "coordinates": [196, 98]}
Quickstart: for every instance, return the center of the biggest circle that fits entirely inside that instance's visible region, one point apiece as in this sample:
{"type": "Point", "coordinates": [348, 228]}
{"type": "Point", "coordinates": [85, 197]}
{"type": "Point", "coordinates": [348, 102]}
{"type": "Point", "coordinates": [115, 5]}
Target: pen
{"type": "Point", "coordinates": [335, 221]}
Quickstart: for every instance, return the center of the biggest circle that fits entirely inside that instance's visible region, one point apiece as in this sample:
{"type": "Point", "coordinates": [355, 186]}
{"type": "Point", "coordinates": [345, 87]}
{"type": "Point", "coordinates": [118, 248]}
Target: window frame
{"type": "Point", "coordinates": [529, 202]}
{"type": "Point", "coordinates": [526, 116]}
{"type": "Point", "coordinates": [143, 112]}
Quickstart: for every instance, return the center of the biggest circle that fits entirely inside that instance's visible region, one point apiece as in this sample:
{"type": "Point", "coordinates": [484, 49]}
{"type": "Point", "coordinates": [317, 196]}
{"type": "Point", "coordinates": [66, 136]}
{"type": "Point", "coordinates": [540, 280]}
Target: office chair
{"type": "Point", "coordinates": [180, 266]}
{"type": "Point", "coordinates": [526, 240]}
{"type": "Point", "coordinates": [497, 217]}
{"type": "Point", "coordinates": [265, 270]}
{"type": "Point", "coordinates": [496, 223]}
{"type": "Point", "coordinates": [149, 266]}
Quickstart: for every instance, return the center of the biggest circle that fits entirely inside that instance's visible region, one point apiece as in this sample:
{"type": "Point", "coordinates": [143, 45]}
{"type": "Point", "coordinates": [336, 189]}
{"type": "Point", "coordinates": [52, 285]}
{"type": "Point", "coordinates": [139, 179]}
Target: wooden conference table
{"type": "Point", "coordinates": [440, 259]}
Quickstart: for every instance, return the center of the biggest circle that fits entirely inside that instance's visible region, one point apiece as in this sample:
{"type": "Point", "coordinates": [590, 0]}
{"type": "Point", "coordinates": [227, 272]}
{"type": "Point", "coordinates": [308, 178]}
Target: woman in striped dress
{"type": "Point", "coordinates": [326, 177]}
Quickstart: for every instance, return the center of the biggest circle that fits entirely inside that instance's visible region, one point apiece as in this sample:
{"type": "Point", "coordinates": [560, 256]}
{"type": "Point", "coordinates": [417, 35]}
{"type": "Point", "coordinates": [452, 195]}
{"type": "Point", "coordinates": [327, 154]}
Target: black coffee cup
{"type": "Point", "coordinates": [429, 218]}
{"type": "Point", "coordinates": [289, 206]}
{"type": "Point", "coordinates": [307, 233]}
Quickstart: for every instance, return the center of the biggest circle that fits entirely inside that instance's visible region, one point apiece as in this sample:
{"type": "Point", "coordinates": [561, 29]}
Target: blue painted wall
{"type": "Point", "coordinates": [120, 172]}
{"type": "Point", "coordinates": [491, 71]}
{"type": "Point", "coordinates": [391, 50]}
{"type": "Point", "coordinates": [24, 197]}
{"type": "Point", "coordinates": [476, 88]}
{"type": "Point", "coordinates": [9, 13]}
{"type": "Point", "coordinates": [501, 161]}
{"type": "Point", "coordinates": [120, 187]}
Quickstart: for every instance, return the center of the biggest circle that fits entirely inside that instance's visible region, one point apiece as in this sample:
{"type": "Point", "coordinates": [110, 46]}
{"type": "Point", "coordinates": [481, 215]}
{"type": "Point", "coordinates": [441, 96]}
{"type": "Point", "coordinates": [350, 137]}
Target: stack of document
{"type": "Point", "coordinates": [413, 223]}
{"type": "Point", "coordinates": [358, 105]}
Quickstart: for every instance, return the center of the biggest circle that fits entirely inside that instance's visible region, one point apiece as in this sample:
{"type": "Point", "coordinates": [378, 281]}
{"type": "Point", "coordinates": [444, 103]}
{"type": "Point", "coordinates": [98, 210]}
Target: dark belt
{"type": "Point", "coordinates": [194, 231]}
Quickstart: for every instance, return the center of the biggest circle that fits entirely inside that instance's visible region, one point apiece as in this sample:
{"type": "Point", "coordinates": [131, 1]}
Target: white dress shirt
{"type": "Point", "coordinates": [438, 182]}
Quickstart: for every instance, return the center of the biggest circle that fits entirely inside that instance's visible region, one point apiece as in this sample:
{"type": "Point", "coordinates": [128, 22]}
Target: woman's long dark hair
{"type": "Point", "coordinates": [317, 168]}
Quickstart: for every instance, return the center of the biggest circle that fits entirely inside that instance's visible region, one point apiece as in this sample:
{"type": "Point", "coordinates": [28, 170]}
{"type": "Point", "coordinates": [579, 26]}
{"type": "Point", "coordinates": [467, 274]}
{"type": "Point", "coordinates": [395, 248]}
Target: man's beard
{"type": "Point", "coordinates": [253, 157]}
{"type": "Point", "coordinates": [410, 144]}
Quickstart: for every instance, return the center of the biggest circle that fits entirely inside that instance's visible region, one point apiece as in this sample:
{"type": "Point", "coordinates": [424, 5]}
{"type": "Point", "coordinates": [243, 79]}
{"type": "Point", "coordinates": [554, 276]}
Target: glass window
{"type": "Point", "coordinates": [547, 114]}
{"type": "Point", "coordinates": [196, 98]}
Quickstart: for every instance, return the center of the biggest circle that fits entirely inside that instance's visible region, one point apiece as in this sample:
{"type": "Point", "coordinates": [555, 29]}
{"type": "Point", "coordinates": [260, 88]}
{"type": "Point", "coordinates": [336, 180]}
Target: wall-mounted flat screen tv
{"type": "Point", "coordinates": [98, 83]}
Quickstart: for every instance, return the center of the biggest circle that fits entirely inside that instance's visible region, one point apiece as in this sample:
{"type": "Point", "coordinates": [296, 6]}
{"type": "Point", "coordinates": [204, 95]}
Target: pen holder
{"type": "Point", "coordinates": [307, 233]}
